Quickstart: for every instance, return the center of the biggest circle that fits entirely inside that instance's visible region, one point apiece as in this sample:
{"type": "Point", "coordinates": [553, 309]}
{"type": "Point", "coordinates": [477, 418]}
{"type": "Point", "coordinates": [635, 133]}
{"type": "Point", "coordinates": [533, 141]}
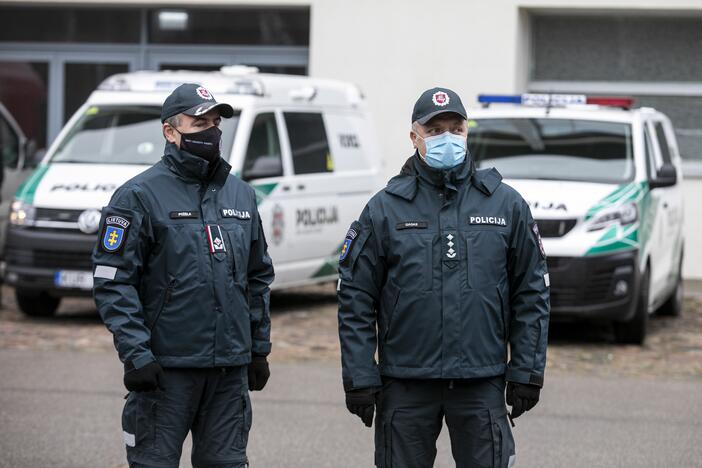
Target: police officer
{"type": "Point", "coordinates": [182, 279]}
{"type": "Point", "coordinates": [444, 275]}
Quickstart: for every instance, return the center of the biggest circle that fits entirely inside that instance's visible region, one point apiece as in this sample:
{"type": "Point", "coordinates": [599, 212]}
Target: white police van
{"type": "Point", "coordinates": [306, 145]}
{"type": "Point", "coordinates": [604, 184]}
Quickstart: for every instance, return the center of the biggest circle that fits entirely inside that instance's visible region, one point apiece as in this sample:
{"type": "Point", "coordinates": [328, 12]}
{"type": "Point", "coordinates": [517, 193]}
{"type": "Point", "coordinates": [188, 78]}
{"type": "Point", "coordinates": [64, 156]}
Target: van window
{"type": "Point", "coordinates": [553, 149]}
{"type": "Point", "coordinates": [123, 135]}
{"type": "Point", "coordinates": [263, 158]}
{"type": "Point", "coordinates": [651, 166]}
{"type": "Point", "coordinates": [663, 143]}
{"type": "Point", "coordinates": [308, 143]}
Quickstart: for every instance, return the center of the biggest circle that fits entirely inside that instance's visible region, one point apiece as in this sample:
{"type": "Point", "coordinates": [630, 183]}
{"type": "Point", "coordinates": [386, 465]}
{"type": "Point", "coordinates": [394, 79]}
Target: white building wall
{"type": "Point", "coordinates": [394, 49]}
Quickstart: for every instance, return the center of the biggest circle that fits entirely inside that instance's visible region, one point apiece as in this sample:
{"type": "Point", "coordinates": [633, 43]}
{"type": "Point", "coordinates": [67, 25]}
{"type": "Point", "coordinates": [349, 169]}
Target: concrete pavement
{"type": "Point", "coordinates": [62, 409]}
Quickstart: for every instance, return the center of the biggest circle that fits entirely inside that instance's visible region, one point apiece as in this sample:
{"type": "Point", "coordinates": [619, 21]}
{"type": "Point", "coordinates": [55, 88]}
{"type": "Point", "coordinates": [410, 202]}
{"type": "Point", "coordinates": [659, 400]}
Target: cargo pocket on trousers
{"type": "Point", "coordinates": [502, 441]}
{"type": "Point", "coordinates": [383, 442]}
{"type": "Point", "coordinates": [246, 421]}
{"type": "Point", "coordinates": [139, 422]}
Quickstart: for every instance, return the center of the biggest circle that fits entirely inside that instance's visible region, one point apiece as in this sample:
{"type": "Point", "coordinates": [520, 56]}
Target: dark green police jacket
{"type": "Point", "coordinates": [442, 273]}
{"type": "Point", "coordinates": [181, 268]}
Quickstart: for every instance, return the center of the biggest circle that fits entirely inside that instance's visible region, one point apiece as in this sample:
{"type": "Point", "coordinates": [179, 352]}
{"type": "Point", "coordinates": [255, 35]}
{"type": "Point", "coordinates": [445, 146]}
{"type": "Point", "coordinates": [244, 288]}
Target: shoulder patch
{"type": "Point", "coordinates": [537, 236]}
{"type": "Point", "coordinates": [351, 236]}
{"type": "Point", "coordinates": [114, 233]}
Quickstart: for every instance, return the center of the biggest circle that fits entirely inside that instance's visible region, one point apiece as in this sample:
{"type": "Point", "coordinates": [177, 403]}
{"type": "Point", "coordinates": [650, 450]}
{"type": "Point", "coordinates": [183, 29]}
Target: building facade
{"type": "Point", "coordinates": [53, 53]}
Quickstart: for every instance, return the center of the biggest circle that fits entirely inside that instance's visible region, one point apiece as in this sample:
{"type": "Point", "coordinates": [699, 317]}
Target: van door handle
{"type": "Point", "coordinates": [665, 205]}
{"type": "Point", "coordinates": [301, 187]}
{"type": "Point", "coordinates": [286, 188]}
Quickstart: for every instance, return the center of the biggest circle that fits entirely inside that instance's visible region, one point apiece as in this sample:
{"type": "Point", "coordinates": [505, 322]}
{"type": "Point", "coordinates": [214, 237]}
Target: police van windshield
{"type": "Point", "coordinates": [553, 149]}
{"type": "Point", "coordinates": [123, 135]}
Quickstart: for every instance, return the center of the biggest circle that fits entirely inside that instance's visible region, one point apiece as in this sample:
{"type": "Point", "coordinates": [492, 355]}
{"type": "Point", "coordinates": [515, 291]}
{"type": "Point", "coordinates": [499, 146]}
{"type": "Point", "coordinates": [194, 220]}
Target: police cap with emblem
{"type": "Point", "coordinates": [436, 101]}
{"type": "Point", "coordinates": [194, 100]}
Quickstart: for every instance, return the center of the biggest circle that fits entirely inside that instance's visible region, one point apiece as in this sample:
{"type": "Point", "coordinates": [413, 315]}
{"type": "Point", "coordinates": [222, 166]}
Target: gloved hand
{"type": "Point", "coordinates": [144, 379]}
{"type": "Point", "coordinates": [522, 397]}
{"type": "Point", "coordinates": [361, 402]}
{"type": "Point", "coordinates": [259, 372]}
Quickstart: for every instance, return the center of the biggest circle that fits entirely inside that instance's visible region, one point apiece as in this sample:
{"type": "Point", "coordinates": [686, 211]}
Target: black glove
{"type": "Point", "coordinates": [258, 373]}
{"type": "Point", "coordinates": [144, 379]}
{"type": "Point", "coordinates": [361, 402]}
{"type": "Point", "coordinates": [522, 397]}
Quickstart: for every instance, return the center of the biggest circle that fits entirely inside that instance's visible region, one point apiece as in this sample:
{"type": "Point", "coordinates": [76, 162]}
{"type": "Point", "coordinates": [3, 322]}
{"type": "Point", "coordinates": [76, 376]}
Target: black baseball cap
{"type": "Point", "coordinates": [194, 100]}
{"type": "Point", "coordinates": [436, 101]}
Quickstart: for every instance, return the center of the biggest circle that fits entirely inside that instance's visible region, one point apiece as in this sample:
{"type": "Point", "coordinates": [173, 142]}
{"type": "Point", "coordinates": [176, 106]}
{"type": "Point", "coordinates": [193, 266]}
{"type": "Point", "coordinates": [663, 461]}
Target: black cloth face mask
{"type": "Point", "coordinates": [204, 144]}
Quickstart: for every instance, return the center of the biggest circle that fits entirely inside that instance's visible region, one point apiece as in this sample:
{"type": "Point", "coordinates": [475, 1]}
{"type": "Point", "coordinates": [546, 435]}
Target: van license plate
{"type": "Point", "coordinates": [73, 279]}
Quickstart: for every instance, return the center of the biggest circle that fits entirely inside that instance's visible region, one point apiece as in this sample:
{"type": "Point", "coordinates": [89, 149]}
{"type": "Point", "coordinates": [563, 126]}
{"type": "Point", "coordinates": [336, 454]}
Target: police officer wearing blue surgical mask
{"type": "Point", "coordinates": [444, 277]}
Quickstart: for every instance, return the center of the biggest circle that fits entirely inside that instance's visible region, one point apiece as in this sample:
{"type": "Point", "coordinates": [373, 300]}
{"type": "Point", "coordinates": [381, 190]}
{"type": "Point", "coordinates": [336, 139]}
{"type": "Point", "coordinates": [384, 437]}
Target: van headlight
{"type": "Point", "coordinates": [21, 213]}
{"type": "Point", "coordinates": [622, 215]}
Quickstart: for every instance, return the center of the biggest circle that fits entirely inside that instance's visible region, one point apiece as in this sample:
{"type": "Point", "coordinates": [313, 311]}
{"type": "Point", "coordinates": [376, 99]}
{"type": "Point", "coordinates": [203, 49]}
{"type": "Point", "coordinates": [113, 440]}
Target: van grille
{"type": "Point", "coordinates": [51, 259]}
{"type": "Point", "coordinates": [555, 227]}
{"type": "Point", "coordinates": [53, 214]}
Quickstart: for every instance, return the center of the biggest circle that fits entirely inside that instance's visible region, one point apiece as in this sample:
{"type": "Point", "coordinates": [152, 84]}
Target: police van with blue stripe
{"type": "Point", "coordinates": [603, 181]}
{"type": "Point", "coordinates": [307, 147]}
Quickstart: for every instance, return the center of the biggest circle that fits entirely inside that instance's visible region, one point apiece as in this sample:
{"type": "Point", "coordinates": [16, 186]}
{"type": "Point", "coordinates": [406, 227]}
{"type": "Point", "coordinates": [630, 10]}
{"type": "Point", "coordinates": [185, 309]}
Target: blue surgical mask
{"type": "Point", "coordinates": [445, 151]}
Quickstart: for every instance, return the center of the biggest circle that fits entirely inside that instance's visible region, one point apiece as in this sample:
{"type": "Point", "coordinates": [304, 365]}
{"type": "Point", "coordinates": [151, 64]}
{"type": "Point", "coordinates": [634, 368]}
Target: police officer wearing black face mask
{"type": "Point", "coordinates": [181, 279]}
{"type": "Point", "coordinates": [445, 276]}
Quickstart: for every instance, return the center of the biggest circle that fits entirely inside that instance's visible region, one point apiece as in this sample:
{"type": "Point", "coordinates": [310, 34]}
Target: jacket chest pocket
{"type": "Point", "coordinates": [412, 255]}
{"type": "Point", "coordinates": [184, 248]}
{"type": "Point", "coordinates": [237, 243]}
{"type": "Point", "coordinates": [486, 254]}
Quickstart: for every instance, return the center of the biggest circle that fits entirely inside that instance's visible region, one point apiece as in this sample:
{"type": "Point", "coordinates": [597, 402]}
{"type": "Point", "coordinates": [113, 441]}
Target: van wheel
{"type": "Point", "coordinates": [36, 303]}
{"type": "Point", "coordinates": [633, 331]}
{"type": "Point", "coordinates": [673, 306]}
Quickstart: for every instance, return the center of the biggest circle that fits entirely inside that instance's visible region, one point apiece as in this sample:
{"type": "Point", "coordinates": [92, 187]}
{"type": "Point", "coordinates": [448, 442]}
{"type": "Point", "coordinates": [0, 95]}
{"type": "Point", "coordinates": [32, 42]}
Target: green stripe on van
{"type": "Point", "coordinates": [263, 190]}
{"type": "Point", "coordinates": [616, 238]}
{"type": "Point", "coordinates": [25, 192]}
{"type": "Point", "coordinates": [330, 266]}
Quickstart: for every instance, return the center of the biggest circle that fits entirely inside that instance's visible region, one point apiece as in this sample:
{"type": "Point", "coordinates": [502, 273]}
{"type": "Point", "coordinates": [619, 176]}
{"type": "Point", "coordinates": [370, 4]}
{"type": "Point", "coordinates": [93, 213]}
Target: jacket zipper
{"type": "Point", "coordinates": [166, 300]}
{"type": "Point", "coordinates": [203, 191]}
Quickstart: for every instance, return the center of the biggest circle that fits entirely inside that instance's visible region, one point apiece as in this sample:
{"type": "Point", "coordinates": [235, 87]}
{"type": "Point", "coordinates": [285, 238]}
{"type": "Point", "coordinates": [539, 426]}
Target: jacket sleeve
{"type": "Point", "coordinates": [260, 277]}
{"type": "Point", "coordinates": [529, 301]}
{"type": "Point", "coordinates": [361, 276]}
{"type": "Point", "coordinates": [119, 257]}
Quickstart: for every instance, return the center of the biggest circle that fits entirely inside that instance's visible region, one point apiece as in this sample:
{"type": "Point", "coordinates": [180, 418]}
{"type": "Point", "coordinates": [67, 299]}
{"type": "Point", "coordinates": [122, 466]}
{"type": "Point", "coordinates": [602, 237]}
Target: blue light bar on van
{"type": "Point", "coordinates": [554, 100]}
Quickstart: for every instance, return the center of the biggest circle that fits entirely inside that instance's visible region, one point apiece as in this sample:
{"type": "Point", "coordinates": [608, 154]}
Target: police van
{"type": "Point", "coordinates": [307, 146]}
{"type": "Point", "coordinates": [603, 182]}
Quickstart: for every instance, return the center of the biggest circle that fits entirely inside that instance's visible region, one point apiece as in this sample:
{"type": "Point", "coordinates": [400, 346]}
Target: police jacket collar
{"type": "Point", "coordinates": [416, 170]}
{"type": "Point", "coordinates": [189, 166]}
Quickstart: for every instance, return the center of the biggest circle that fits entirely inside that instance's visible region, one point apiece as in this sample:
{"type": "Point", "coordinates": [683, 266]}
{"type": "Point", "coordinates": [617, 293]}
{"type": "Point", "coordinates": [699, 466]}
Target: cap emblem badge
{"type": "Point", "coordinates": [203, 93]}
{"type": "Point", "coordinates": [440, 98]}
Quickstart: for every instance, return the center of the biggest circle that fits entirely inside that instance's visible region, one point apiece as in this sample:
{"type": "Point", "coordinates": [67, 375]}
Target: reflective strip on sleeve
{"type": "Point", "coordinates": [129, 439]}
{"type": "Point", "coordinates": [106, 272]}
{"type": "Point", "coordinates": [338, 285]}
{"type": "Point", "coordinates": [547, 280]}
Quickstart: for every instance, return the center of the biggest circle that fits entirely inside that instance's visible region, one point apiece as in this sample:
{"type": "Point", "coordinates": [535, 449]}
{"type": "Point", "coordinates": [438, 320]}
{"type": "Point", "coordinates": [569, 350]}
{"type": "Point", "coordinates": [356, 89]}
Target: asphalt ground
{"type": "Point", "coordinates": [603, 405]}
{"type": "Point", "coordinates": [62, 409]}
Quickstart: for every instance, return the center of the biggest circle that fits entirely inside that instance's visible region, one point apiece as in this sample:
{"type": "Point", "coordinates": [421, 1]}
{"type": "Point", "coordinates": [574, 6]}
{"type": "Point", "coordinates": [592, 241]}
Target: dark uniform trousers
{"type": "Point", "coordinates": [213, 403]}
{"type": "Point", "coordinates": [410, 415]}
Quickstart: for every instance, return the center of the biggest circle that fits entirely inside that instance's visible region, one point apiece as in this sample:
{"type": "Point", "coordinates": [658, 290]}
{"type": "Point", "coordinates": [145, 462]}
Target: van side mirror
{"type": "Point", "coordinates": [264, 166]}
{"type": "Point", "coordinates": [667, 177]}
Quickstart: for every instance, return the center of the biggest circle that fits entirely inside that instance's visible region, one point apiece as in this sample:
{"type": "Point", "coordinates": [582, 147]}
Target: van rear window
{"type": "Point", "coordinates": [553, 149]}
{"type": "Point", "coordinates": [123, 135]}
